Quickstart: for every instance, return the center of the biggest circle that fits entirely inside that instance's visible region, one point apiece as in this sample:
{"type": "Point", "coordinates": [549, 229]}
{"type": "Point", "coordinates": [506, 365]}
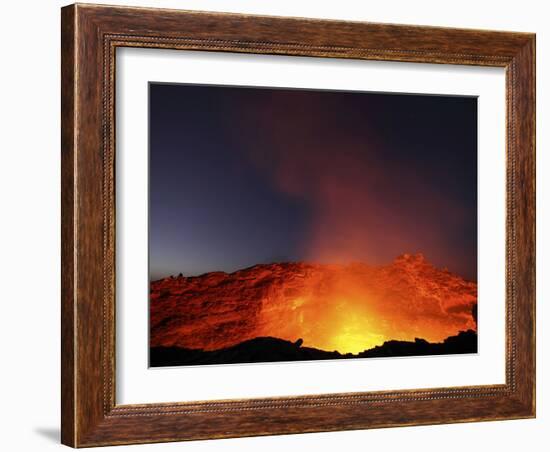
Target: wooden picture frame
{"type": "Point", "coordinates": [90, 36]}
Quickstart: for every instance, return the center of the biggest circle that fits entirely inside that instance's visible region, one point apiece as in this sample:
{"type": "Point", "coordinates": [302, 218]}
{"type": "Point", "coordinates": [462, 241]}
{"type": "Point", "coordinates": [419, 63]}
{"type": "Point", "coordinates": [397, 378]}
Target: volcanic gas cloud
{"type": "Point", "coordinates": [343, 307]}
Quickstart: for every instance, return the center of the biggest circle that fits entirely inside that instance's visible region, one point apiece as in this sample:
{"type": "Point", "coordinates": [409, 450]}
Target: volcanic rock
{"type": "Point", "coordinates": [333, 307]}
{"type": "Point", "coordinates": [270, 349]}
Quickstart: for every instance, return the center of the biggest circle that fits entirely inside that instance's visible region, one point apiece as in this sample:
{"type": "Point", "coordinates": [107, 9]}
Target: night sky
{"type": "Point", "coordinates": [241, 176]}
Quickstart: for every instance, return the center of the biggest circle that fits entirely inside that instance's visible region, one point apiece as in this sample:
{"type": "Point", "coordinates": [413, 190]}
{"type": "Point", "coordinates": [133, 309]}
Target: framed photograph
{"type": "Point", "coordinates": [281, 225]}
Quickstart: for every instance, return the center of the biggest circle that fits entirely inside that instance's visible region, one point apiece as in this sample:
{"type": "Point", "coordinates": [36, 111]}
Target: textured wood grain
{"type": "Point", "coordinates": [68, 387]}
{"type": "Point", "coordinates": [90, 36]}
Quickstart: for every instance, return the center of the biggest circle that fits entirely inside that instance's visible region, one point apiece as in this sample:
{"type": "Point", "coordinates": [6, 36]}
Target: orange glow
{"type": "Point", "coordinates": [353, 308]}
{"type": "Point", "coordinates": [348, 308]}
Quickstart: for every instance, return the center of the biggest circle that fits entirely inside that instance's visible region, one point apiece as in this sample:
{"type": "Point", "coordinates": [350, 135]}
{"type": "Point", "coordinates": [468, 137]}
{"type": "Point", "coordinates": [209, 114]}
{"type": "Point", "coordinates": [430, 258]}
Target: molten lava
{"type": "Point", "coordinates": [348, 308]}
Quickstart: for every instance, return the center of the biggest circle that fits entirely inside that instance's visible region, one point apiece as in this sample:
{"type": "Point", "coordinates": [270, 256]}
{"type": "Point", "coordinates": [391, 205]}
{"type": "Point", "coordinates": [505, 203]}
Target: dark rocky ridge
{"type": "Point", "coordinates": [270, 349]}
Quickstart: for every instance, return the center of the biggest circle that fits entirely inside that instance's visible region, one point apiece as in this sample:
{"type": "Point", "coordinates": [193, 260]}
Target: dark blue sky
{"type": "Point", "coordinates": [240, 176]}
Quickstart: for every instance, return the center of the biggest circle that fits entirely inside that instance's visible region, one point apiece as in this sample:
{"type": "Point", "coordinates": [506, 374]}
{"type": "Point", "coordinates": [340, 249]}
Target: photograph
{"type": "Point", "coordinates": [298, 224]}
{"type": "Point", "coordinates": [276, 226]}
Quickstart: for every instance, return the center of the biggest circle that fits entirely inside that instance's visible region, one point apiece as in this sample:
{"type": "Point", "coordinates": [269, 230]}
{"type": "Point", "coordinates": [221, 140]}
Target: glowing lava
{"type": "Point", "coordinates": [348, 308]}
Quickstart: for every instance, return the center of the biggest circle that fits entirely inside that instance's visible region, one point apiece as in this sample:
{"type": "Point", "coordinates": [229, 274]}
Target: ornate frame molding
{"type": "Point", "coordinates": [90, 36]}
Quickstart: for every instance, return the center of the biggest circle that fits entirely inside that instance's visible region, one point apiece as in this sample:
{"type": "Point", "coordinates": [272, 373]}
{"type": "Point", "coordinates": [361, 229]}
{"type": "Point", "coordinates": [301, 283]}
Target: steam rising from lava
{"type": "Point", "coordinates": [365, 205]}
{"type": "Point", "coordinates": [365, 197]}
